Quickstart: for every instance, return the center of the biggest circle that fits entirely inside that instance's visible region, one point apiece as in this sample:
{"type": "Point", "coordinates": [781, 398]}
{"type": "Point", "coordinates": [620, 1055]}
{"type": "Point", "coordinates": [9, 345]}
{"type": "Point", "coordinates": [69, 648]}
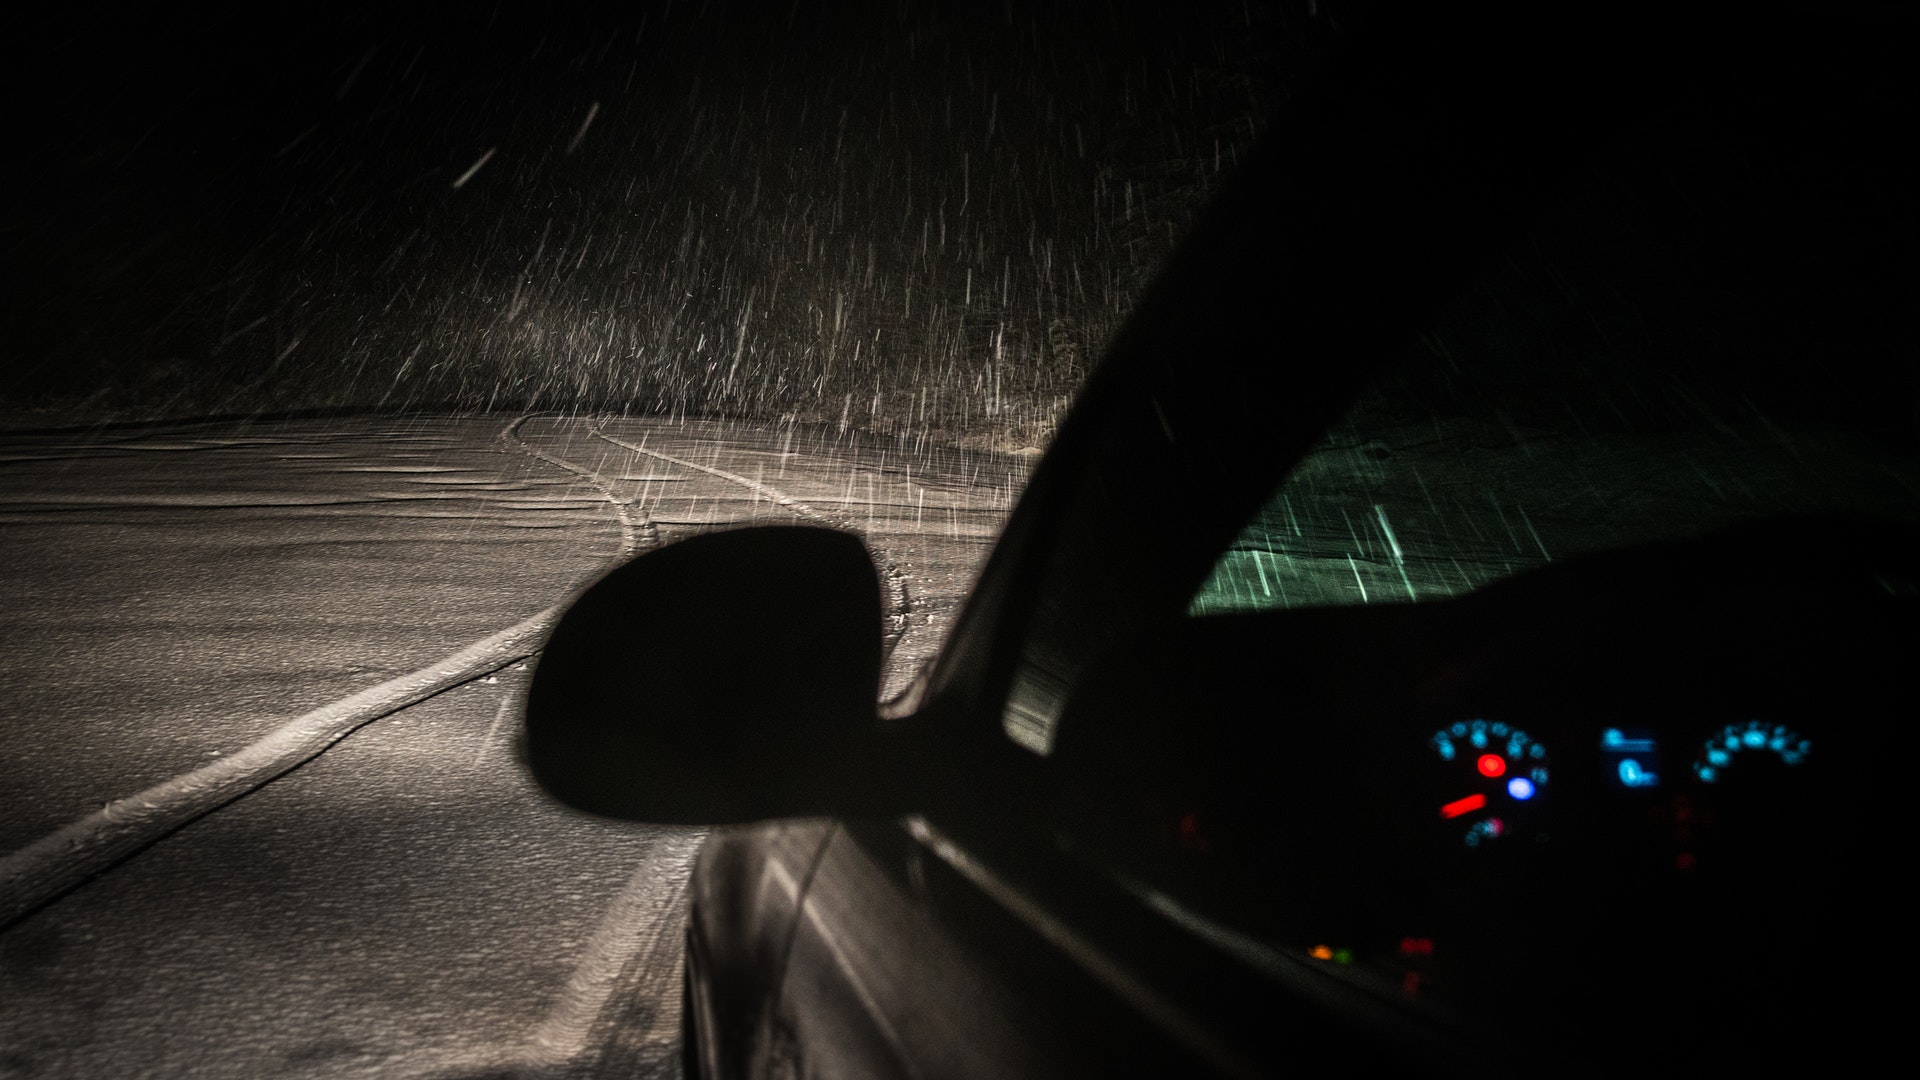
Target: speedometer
{"type": "Point", "coordinates": [1496, 779]}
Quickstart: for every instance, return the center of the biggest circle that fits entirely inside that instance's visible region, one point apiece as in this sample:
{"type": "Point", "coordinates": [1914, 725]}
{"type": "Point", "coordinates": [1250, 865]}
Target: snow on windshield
{"type": "Point", "coordinates": [1709, 329]}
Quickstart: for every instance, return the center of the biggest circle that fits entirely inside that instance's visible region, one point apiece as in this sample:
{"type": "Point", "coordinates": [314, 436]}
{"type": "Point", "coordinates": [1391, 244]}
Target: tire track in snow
{"type": "Point", "coordinates": [636, 953]}
{"type": "Point", "coordinates": [644, 922]}
{"type": "Point", "coordinates": [899, 602]}
{"type": "Point", "coordinates": [637, 531]}
{"type": "Point", "coordinates": [82, 849]}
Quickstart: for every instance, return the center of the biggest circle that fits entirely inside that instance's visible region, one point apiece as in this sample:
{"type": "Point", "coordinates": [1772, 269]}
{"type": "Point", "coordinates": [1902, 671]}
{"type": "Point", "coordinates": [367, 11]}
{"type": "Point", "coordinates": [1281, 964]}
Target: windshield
{"type": "Point", "coordinates": [1705, 320]}
{"type": "Point", "coordinates": [1706, 332]}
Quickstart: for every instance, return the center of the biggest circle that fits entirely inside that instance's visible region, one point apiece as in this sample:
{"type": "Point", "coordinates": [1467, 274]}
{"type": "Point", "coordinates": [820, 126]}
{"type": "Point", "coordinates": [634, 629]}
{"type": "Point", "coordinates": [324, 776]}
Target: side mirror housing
{"type": "Point", "coordinates": [728, 677]}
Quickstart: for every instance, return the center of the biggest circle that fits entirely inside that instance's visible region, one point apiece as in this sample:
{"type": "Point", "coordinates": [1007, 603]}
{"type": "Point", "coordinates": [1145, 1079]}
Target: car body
{"type": "Point", "coordinates": [1586, 343]}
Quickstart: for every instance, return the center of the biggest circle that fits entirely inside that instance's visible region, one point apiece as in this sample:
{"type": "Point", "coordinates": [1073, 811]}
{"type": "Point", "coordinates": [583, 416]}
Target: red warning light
{"type": "Point", "coordinates": [1492, 764]}
{"type": "Point", "coordinates": [1192, 836]}
{"type": "Point", "coordinates": [1463, 806]}
{"type": "Point", "coordinates": [1416, 946]}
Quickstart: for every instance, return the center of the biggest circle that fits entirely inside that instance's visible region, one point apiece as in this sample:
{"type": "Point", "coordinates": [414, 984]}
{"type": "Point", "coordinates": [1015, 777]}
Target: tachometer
{"type": "Point", "coordinates": [1755, 737]}
{"type": "Point", "coordinates": [1497, 775]}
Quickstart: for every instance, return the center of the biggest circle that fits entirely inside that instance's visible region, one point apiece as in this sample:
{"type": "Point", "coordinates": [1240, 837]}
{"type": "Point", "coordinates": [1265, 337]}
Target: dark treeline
{"type": "Point", "coordinates": [899, 214]}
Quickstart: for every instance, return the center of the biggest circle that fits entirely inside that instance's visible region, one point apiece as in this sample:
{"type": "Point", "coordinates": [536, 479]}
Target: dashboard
{"type": "Point", "coordinates": [1640, 800]}
{"type": "Point", "coordinates": [1664, 875]}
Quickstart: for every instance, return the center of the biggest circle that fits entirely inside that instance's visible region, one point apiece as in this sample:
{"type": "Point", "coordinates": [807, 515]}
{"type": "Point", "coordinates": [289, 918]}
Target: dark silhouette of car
{"type": "Point", "coordinates": [1466, 626]}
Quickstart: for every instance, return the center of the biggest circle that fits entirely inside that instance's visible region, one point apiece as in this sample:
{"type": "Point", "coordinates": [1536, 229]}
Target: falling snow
{"type": "Point", "coordinates": [886, 216]}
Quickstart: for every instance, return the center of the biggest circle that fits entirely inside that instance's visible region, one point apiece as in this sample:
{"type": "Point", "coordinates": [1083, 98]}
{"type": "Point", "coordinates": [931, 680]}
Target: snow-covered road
{"type": "Point", "coordinates": [179, 599]}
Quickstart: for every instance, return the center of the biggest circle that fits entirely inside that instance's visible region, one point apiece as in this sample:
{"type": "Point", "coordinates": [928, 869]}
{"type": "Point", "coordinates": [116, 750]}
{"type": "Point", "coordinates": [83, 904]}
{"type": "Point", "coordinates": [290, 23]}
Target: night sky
{"type": "Point", "coordinates": [652, 207]}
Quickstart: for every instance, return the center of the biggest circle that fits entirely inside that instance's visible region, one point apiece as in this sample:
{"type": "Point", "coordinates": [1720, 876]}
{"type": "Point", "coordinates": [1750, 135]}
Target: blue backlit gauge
{"type": "Point", "coordinates": [1725, 748]}
{"type": "Point", "coordinates": [1631, 757]}
{"type": "Point", "coordinates": [1496, 774]}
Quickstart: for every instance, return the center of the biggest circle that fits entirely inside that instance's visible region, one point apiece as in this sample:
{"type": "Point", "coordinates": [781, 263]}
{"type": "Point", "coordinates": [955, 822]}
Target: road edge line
{"type": "Point", "coordinates": [78, 851]}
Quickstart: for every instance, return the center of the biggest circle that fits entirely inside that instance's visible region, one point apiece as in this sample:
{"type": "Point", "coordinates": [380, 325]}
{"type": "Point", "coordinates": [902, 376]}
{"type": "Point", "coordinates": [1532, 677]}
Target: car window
{"type": "Point", "coordinates": [1706, 331]}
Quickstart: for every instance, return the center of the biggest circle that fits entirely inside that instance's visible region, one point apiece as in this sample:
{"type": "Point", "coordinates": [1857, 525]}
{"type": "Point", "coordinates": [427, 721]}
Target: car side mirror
{"type": "Point", "coordinates": [728, 677]}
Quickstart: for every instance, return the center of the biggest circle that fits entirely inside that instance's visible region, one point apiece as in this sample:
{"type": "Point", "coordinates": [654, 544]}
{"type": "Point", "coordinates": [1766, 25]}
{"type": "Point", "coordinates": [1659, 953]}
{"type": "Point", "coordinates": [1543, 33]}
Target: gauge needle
{"type": "Point", "coordinates": [1463, 806]}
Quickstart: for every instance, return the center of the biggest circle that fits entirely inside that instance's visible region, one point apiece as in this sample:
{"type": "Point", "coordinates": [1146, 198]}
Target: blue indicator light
{"type": "Point", "coordinates": [1536, 751]}
{"type": "Point", "coordinates": [1632, 775]}
{"type": "Point", "coordinates": [1520, 788]}
{"type": "Point", "coordinates": [1539, 776]}
{"type": "Point", "coordinates": [1459, 730]}
{"type": "Point", "coordinates": [1717, 756]}
{"type": "Point", "coordinates": [1754, 738]}
{"type": "Point", "coordinates": [1478, 738]}
{"type": "Point", "coordinates": [1616, 740]}
{"type": "Point", "coordinates": [1498, 729]}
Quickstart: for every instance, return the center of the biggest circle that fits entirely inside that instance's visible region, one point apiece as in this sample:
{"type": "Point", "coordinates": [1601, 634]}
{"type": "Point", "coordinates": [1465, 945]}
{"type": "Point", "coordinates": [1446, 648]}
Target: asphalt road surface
{"type": "Point", "coordinates": [261, 812]}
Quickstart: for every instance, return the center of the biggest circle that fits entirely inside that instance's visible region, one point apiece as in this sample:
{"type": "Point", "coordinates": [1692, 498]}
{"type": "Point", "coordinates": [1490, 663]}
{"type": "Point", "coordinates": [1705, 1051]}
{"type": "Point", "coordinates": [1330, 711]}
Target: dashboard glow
{"type": "Point", "coordinates": [1725, 746]}
{"type": "Point", "coordinates": [1490, 764]}
{"type": "Point", "coordinates": [1631, 758]}
{"type": "Point", "coordinates": [1616, 740]}
{"type": "Point", "coordinates": [1633, 775]}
